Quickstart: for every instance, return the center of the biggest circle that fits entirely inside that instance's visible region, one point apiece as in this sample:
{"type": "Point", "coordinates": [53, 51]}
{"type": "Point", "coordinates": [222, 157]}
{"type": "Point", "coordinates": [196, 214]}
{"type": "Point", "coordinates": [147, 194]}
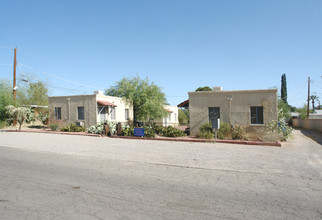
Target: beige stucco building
{"type": "Point", "coordinates": [252, 108]}
{"type": "Point", "coordinates": [172, 118]}
{"type": "Point", "coordinates": [88, 110]}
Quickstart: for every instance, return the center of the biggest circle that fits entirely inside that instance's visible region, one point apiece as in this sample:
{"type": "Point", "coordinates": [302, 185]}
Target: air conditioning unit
{"type": "Point", "coordinates": [80, 123]}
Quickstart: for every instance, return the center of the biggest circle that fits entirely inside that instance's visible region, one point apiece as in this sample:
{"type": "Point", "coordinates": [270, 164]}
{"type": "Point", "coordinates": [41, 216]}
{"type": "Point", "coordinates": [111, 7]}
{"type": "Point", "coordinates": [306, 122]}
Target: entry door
{"type": "Point", "coordinates": [214, 114]}
{"type": "Point", "coordinates": [102, 112]}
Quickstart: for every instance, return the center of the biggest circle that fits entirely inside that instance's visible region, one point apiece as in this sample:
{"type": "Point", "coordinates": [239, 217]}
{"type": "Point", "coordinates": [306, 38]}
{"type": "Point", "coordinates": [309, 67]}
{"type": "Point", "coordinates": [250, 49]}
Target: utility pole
{"type": "Point", "coordinates": [14, 76]}
{"type": "Point", "coordinates": [308, 99]}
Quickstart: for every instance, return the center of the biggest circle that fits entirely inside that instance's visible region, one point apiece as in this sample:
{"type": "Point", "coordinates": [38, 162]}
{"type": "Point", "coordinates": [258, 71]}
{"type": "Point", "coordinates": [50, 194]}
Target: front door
{"type": "Point", "coordinates": [214, 114]}
{"type": "Point", "coordinates": [102, 113]}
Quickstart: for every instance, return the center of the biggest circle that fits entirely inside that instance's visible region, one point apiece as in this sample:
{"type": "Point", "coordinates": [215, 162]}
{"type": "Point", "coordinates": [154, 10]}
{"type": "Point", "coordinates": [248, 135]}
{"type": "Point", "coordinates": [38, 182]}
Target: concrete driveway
{"type": "Point", "coordinates": [158, 180]}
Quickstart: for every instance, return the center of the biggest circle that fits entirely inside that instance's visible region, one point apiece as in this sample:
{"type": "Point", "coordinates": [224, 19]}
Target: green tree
{"type": "Point", "coordinates": [20, 114]}
{"type": "Point", "coordinates": [146, 98]}
{"type": "Point", "coordinates": [32, 93]}
{"type": "Point", "coordinates": [302, 111]}
{"type": "Point", "coordinates": [6, 98]}
{"type": "Point", "coordinates": [285, 108]}
{"type": "Point", "coordinates": [182, 117]}
{"type": "Point", "coordinates": [205, 88]}
{"type": "Point", "coordinates": [284, 89]}
{"type": "Point", "coordinates": [38, 93]}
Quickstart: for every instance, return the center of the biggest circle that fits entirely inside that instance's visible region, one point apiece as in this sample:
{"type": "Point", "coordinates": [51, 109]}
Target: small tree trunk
{"type": "Point", "coordinates": [20, 126]}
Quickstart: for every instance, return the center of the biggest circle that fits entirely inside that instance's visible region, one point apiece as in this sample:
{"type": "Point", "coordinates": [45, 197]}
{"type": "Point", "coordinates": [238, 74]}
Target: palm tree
{"type": "Point", "coordinates": [314, 98]}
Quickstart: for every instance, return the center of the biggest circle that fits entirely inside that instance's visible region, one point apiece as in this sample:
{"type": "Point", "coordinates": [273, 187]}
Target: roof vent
{"type": "Point", "coordinates": [217, 88]}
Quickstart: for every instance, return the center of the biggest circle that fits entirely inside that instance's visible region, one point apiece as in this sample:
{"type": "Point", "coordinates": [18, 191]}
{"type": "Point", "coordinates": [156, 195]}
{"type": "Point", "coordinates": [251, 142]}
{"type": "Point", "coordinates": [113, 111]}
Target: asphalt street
{"type": "Point", "coordinates": [46, 176]}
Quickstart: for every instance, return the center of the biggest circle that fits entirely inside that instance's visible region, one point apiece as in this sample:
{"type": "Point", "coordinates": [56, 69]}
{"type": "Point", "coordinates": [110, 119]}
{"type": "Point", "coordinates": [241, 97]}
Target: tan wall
{"type": "Point", "coordinates": [314, 124]}
{"type": "Point", "coordinates": [234, 106]}
{"type": "Point", "coordinates": [69, 106]}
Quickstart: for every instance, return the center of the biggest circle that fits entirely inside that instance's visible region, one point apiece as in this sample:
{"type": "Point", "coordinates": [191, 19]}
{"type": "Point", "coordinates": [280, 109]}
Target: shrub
{"type": "Point", "coordinates": [279, 127]}
{"type": "Point", "coordinates": [205, 135]}
{"type": "Point", "coordinates": [149, 131]}
{"type": "Point", "coordinates": [205, 131]}
{"type": "Point", "coordinates": [238, 133]}
{"type": "Point", "coordinates": [3, 124]}
{"type": "Point", "coordinates": [112, 125]}
{"type": "Point", "coordinates": [97, 129]}
{"type": "Point", "coordinates": [73, 128]}
{"type": "Point", "coordinates": [127, 130]}
{"type": "Point", "coordinates": [43, 117]}
{"type": "Point", "coordinates": [159, 129]}
{"type": "Point", "coordinates": [53, 127]}
{"type": "Point", "coordinates": [225, 130]}
{"type": "Point", "coordinates": [173, 132]}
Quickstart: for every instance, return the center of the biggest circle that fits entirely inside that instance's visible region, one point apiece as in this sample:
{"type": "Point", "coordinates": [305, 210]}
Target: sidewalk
{"type": "Point", "coordinates": [181, 139]}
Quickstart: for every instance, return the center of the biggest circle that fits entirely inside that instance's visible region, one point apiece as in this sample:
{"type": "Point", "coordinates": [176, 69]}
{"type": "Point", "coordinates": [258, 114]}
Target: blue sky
{"type": "Point", "coordinates": [81, 46]}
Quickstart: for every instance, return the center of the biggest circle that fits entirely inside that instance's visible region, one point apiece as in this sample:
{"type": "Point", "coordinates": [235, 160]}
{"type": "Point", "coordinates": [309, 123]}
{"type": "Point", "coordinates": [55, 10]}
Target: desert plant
{"type": "Point", "coordinates": [73, 128]}
{"type": "Point", "coordinates": [53, 127]}
{"type": "Point", "coordinates": [173, 132]}
{"type": "Point", "coordinates": [205, 131]}
{"type": "Point", "coordinates": [279, 127]}
{"type": "Point", "coordinates": [97, 129]}
{"type": "Point", "coordinates": [238, 133]}
{"type": "Point", "coordinates": [43, 117]}
{"type": "Point", "coordinates": [225, 130]}
{"type": "Point", "coordinates": [20, 114]}
{"type": "Point", "coordinates": [127, 130]}
{"type": "Point", "coordinates": [149, 131]}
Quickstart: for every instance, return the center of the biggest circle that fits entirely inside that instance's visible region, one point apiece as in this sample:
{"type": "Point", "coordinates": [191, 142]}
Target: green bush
{"type": "Point", "coordinates": [43, 117]}
{"type": "Point", "coordinates": [238, 133]}
{"type": "Point", "coordinates": [73, 128]}
{"type": "Point", "coordinates": [158, 129]}
{"type": "Point", "coordinates": [53, 127]}
{"type": "Point", "coordinates": [3, 124]}
{"type": "Point", "coordinates": [205, 135]}
{"type": "Point", "coordinates": [173, 132]}
{"type": "Point", "coordinates": [149, 131]}
{"type": "Point", "coordinates": [279, 127]}
{"type": "Point", "coordinates": [127, 130]}
{"type": "Point", "coordinates": [205, 131]}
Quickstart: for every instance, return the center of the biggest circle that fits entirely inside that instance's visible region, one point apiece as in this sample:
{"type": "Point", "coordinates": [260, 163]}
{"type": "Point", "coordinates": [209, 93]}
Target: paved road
{"type": "Point", "coordinates": [44, 176]}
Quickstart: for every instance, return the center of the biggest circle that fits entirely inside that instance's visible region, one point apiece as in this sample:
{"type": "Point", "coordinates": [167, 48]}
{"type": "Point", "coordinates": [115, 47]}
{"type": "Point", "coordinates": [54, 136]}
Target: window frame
{"type": "Point", "coordinates": [257, 113]}
{"type": "Point", "coordinates": [113, 113]}
{"type": "Point", "coordinates": [57, 113]}
{"type": "Point", "coordinates": [78, 111]}
{"type": "Point", "coordinates": [127, 114]}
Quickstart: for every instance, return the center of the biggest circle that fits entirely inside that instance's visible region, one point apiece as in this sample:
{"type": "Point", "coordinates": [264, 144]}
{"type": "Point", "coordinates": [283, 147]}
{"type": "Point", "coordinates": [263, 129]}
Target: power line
{"type": "Point", "coordinates": [64, 79]}
{"type": "Point", "coordinates": [298, 90]}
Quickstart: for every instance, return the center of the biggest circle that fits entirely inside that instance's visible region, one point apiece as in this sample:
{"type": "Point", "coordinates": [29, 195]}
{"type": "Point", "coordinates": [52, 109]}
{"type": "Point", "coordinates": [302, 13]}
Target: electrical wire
{"type": "Point", "coordinates": [64, 79]}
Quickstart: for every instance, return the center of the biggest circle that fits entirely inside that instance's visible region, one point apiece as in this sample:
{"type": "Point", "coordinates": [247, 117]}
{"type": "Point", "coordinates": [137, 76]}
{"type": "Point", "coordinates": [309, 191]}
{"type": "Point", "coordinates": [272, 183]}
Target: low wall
{"type": "Point", "coordinates": [313, 124]}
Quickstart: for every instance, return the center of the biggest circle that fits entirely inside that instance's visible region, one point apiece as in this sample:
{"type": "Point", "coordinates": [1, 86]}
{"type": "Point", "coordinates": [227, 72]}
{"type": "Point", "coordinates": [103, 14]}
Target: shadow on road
{"type": "Point", "coordinates": [315, 135]}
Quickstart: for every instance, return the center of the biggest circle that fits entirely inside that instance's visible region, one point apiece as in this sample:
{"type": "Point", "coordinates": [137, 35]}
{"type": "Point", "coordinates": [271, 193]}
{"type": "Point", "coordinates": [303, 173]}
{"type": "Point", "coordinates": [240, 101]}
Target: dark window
{"type": "Point", "coordinates": [57, 113]}
{"type": "Point", "coordinates": [127, 117]}
{"type": "Point", "coordinates": [256, 115]}
{"type": "Point", "coordinates": [214, 114]}
{"type": "Point", "coordinates": [80, 113]}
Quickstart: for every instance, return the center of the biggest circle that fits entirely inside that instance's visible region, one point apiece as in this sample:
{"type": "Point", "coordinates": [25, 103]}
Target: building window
{"type": "Point", "coordinates": [113, 116]}
{"type": "Point", "coordinates": [80, 113]}
{"type": "Point", "coordinates": [57, 113]}
{"type": "Point", "coordinates": [256, 115]}
{"type": "Point", "coordinates": [169, 117]}
{"type": "Point", "coordinates": [127, 117]}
